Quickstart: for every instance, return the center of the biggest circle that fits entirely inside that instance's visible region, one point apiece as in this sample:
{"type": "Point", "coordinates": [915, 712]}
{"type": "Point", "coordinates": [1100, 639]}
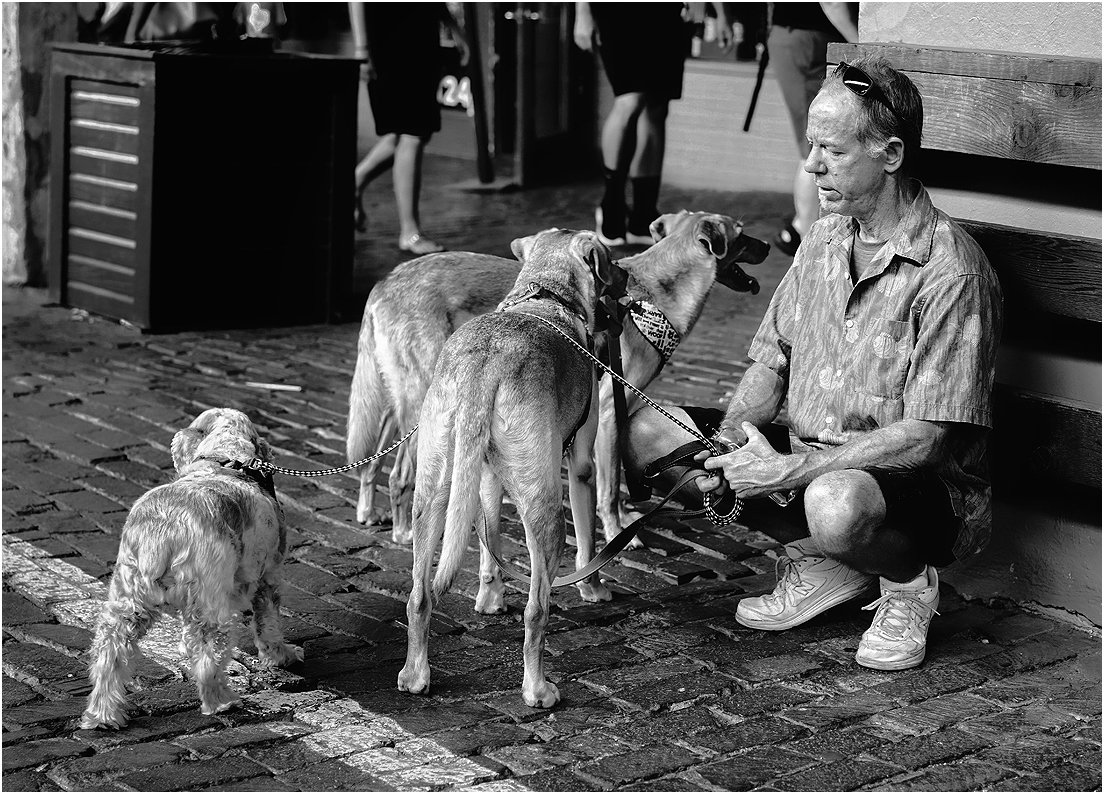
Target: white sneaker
{"type": "Point", "coordinates": [896, 639]}
{"type": "Point", "coordinates": [810, 584]}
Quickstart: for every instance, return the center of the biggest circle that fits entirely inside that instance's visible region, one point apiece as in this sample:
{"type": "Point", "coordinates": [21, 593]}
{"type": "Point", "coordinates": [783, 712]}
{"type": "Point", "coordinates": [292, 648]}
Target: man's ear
{"type": "Point", "coordinates": [894, 155]}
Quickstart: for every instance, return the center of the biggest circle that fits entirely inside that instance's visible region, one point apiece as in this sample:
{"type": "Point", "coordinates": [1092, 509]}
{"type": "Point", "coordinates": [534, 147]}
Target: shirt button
{"type": "Point", "coordinates": [830, 420]}
{"type": "Point", "coordinates": [849, 323]}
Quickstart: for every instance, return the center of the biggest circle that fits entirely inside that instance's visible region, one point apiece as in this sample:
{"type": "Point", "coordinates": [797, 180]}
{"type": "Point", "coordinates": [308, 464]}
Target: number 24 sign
{"type": "Point", "coordinates": [453, 93]}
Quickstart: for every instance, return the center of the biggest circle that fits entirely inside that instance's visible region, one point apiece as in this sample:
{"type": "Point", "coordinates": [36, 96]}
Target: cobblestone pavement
{"type": "Point", "coordinates": [662, 690]}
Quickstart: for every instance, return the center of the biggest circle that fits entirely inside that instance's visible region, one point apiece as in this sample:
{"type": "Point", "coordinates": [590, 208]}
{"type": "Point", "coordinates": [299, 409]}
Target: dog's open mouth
{"type": "Point", "coordinates": [746, 249]}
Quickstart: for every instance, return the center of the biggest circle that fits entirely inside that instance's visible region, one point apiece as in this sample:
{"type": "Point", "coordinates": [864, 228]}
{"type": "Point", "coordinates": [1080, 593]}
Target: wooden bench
{"type": "Point", "coordinates": [1039, 119]}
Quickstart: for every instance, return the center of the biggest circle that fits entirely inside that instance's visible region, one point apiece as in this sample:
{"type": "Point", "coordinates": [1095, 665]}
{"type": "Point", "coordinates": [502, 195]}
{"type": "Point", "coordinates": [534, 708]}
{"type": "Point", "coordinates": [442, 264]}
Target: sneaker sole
{"type": "Point", "coordinates": [776, 626]}
{"type": "Point", "coordinates": [895, 665]}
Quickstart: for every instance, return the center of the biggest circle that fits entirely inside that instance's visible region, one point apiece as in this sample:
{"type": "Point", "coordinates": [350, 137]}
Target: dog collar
{"type": "Point", "coordinates": [538, 291]}
{"type": "Point", "coordinates": [655, 328]}
{"type": "Point", "coordinates": [262, 479]}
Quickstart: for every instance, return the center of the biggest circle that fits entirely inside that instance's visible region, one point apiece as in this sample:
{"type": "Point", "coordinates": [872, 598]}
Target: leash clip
{"type": "Point", "coordinates": [256, 464]}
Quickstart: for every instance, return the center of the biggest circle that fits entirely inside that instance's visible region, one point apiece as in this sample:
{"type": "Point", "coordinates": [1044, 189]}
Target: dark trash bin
{"type": "Point", "coordinates": [198, 187]}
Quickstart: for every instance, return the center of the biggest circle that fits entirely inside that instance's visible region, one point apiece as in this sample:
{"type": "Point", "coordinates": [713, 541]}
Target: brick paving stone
{"type": "Point", "coordinates": [580, 661]}
{"type": "Point", "coordinates": [374, 605]}
{"type": "Point", "coordinates": [482, 738]}
{"type": "Point", "coordinates": [148, 728]}
{"type": "Point", "coordinates": [1033, 753]}
{"type": "Point", "coordinates": [529, 758]}
{"type": "Point", "coordinates": [37, 481]}
{"type": "Point", "coordinates": [255, 784]}
{"type": "Point", "coordinates": [24, 502]}
{"type": "Point", "coordinates": [63, 522]}
{"type": "Point", "coordinates": [612, 681]}
{"type": "Point", "coordinates": [667, 727]}
{"type": "Point", "coordinates": [446, 716]}
{"type": "Point", "coordinates": [962, 776]}
{"type": "Point", "coordinates": [44, 714]}
{"type": "Point", "coordinates": [15, 693]}
{"type": "Point", "coordinates": [217, 743]}
{"type": "Point", "coordinates": [71, 641]}
{"type": "Point", "coordinates": [1032, 653]}
{"type": "Point", "coordinates": [555, 780]}
{"type": "Point", "coordinates": [18, 610]}
{"type": "Point", "coordinates": [747, 734]}
{"type": "Point", "coordinates": [313, 580]}
{"type": "Point", "coordinates": [35, 664]}
{"type": "Point", "coordinates": [101, 547]}
{"type": "Point", "coordinates": [932, 715]}
{"type": "Point", "coordinates": [930, 683]}
{"type": "Point", "coordinates": [191, 775]}
{"type": "Point", "coordinates": [646, 763]}
{"type": "Point", "coordinates": [1061, 778]}
{"type": "Point", "coordinates": [676, 692]}
{"type": "Point", "coordinates": [913, 753]}
{"type": "Point", "coordinates": [670, 640]}
{"type": "Point", "coordinates": [37, 752]}
{"type": "Point", "coordinates": [771, 669]}
{"type": "Point", "coordinates": [835, 745]}
{"type": "Point", "coordinates": [844, 775]}
{"type": "Point", "coordinates": [747, 703]}
{"type": "Point", "coordinates": [751, 768]}
{"type": "Point", "coordinates": [92, 772]}
{"type": "Point", "coordinates": [1040, 717]}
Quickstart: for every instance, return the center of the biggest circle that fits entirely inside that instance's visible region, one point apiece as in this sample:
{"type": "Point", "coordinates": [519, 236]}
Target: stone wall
{"type": "Point", "coordinates": [28, 28]}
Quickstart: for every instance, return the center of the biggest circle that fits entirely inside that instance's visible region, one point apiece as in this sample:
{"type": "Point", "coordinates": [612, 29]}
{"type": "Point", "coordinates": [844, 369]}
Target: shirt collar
{"type": "Point", "coordinates": [913, 238]}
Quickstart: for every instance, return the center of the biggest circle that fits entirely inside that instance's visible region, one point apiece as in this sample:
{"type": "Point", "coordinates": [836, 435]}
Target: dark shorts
{"type": "Point", "coordinates": [404, 44]}
{"type": "Point", "coordinates": [643, 47]}
{"type": "Point", "coordinates": [917, 502]}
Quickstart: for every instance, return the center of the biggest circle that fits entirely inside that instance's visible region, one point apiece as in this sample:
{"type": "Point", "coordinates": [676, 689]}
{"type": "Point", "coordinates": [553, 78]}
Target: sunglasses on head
{"type": "Point", "coordinates": [862, 85]}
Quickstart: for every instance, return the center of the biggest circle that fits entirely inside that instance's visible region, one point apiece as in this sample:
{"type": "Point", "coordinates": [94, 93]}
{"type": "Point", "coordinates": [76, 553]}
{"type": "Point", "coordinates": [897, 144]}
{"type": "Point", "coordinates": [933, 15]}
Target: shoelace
{"type": "Point", "coordinates": [898, 612]}
{"type": "Point", "coordinates": [788, 577]}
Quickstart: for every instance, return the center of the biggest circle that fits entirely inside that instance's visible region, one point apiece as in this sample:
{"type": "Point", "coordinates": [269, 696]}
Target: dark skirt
{"type": "Point", "coordinates": [405, 49]}
{"type": "Point", "coordinates": [643, 46]}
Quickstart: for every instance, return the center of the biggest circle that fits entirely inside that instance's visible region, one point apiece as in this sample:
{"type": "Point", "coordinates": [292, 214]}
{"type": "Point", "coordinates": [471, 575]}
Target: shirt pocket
{"type": "Point", "coordinates": [885, 360]}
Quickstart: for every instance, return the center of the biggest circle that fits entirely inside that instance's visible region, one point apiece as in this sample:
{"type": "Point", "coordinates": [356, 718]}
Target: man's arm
{"type": "Point", "coordinates": [757, 399]}
{"type": "Point", "coordinates": [757, 469]}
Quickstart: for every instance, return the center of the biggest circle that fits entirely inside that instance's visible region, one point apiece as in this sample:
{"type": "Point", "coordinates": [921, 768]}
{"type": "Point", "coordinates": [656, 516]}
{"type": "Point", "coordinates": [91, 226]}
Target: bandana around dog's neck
{"type": "Point", "coordinates": [655, 328]}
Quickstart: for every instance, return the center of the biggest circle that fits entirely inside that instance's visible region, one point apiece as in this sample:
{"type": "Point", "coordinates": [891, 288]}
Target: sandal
{"type": "Point", "coordinates": [416, 244]}
{"type": "Point", "coordinates": [616, 236]}
{"type": "Point", "coordinates": [788, 239]}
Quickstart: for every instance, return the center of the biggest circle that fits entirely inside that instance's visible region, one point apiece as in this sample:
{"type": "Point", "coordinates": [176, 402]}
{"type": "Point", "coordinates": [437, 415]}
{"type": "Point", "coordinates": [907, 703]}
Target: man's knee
{"type": "Point", "coordinates": [843, 511]}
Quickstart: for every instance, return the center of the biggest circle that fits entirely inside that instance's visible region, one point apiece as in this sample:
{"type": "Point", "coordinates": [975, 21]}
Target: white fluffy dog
{"type": "Point", "coordinates": [209, 545]}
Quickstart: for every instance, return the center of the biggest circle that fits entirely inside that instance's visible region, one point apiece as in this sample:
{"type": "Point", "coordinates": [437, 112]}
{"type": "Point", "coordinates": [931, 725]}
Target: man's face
{"type": "Point", "coordinates": [849, 181]}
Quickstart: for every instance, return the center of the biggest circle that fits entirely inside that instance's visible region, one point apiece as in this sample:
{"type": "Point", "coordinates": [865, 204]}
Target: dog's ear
{"type": "Point", "coordinates": [184, 446]}
{"type": "Point", "coordinates": [713, 235]}
{"type": "Point", "coordinates": [264, 452]}
{"type": "Point", "coordinates": [522, 246]}
{"type": "Point", "coordinates": [588, 247]}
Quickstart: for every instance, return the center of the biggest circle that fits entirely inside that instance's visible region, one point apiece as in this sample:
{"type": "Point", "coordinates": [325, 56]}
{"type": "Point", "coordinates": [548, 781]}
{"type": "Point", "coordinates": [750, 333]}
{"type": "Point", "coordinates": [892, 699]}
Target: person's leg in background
{"type": "Point", "coordinates": [408, 186]}
{"type": "Point", "coordinates": [646, 168]}
{"type": "Point", "coordinates": [378, 160]}
{"type": "Point", "coordinates": [620, 145]}
{"type": "Point", "coordinates": [798, 60]}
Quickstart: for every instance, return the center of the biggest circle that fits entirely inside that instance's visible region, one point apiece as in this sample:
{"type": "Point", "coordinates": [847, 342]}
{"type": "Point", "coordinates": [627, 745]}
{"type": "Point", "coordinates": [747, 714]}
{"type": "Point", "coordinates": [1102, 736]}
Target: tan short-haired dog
{"type": "Point", "coordinates": [209, 545]}
{"type": "Point", "coordinates": [411, 313]}
{"type": "Point", "coordinates": [507, 395]}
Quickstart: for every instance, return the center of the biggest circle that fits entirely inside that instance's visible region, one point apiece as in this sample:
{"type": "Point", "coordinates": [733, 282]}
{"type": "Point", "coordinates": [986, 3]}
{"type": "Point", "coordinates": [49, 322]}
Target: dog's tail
{"type": "Point", "coordinates": [471, 436]}
{"type": "Point", "coordinates": [369, 406]}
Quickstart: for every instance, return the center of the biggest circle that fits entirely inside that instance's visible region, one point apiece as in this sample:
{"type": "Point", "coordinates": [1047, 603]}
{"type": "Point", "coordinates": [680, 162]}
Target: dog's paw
{"type": "Point", "coordinates": [402, 535]}
{"type": "Point", "coordinates": [90, 720]}
{"type": "Point", "coordinates": [544, 695]}
{"type": "Point", "coordinates": [280, 656]}
{"type": "Point", "coordinates": [594, 592]}
{"type": "Point", "coordinates": [414, 679]}
{"type": "Point", "coordinates": [219, 699]}
{"type": "Point", "coordinates": [490, 601]}
{"type": "Point", "coordinates": [373, 516]}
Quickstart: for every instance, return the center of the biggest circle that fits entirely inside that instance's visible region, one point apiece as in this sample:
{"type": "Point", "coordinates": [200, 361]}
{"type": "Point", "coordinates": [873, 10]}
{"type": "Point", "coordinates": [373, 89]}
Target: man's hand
{"type": "Point", "coordinates": [754, 470]}
{"type": "Point", "coordinates": [724, 28]}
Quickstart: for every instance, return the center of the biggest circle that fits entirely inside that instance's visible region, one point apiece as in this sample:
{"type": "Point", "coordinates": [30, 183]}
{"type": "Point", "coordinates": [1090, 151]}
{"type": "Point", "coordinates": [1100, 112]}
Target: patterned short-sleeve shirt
{"type": "Point", "coordinates": [917, 338]}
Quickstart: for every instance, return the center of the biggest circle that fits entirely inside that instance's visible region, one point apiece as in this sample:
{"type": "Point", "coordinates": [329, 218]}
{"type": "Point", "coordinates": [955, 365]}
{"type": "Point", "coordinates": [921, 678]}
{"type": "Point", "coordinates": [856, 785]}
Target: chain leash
{"type": "Point", "coordinates": [710, 444]}
{"type": "Point", "coordinates": [268, 468]}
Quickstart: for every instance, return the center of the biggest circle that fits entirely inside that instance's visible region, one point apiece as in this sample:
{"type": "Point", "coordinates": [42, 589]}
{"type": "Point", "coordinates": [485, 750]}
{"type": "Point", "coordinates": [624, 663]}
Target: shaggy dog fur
{"type": "Point", "coordinates": [209, 545]}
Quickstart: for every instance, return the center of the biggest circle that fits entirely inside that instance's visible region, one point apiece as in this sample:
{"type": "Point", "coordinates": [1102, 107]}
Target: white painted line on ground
{"type": "Point", "coordinates": [365, 741]}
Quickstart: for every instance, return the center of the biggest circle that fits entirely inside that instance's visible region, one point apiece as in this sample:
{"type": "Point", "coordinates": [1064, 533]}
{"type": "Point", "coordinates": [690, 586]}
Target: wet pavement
{"type": "Point", "coordinates": [661, 689]}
